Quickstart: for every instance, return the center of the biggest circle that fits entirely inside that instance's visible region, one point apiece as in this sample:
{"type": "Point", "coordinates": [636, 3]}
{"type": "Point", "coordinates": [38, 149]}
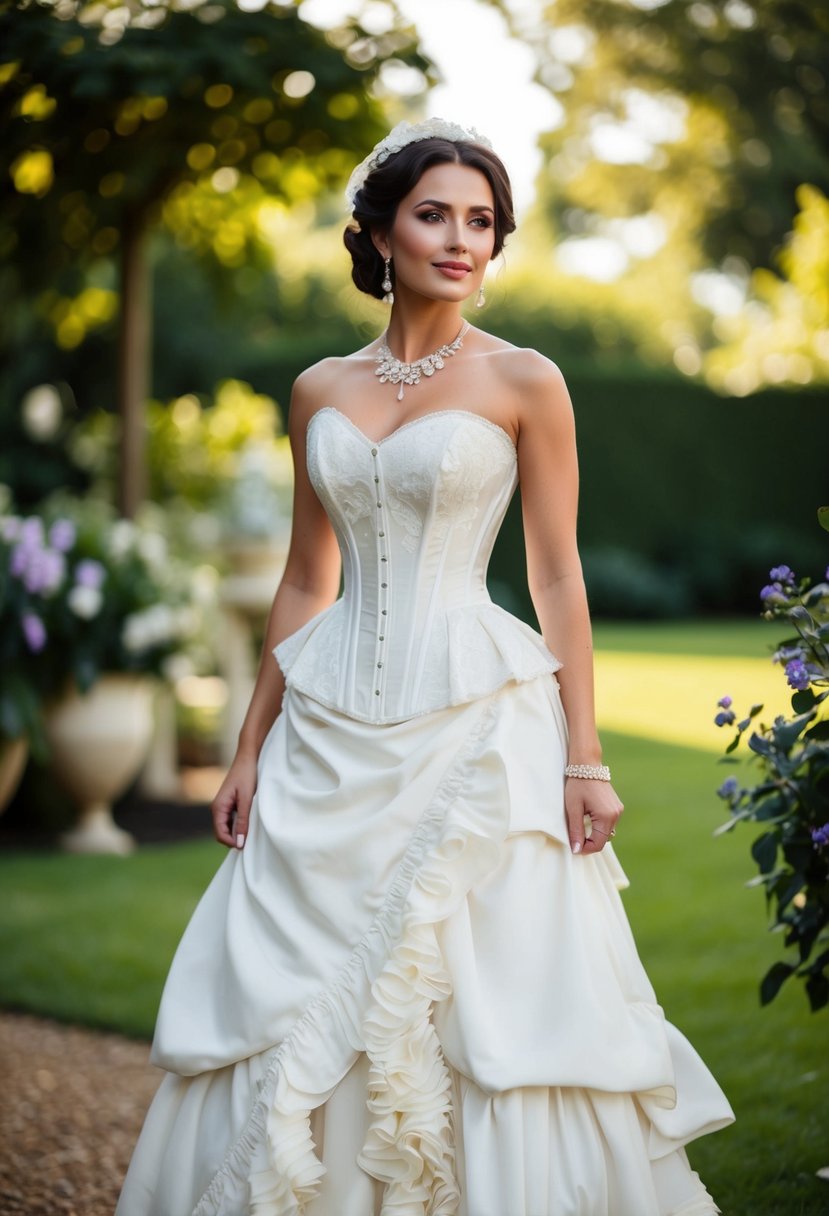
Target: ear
{"type": "Point", "coordinates": [380, 241]}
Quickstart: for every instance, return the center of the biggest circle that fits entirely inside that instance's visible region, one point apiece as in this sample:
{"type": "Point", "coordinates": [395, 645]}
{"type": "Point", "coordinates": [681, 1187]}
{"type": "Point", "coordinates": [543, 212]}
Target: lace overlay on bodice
{"type": "Point", "coordinates": [416, 516]}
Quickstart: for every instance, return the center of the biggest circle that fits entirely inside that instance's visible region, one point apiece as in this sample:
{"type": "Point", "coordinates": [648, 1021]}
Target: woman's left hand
{"type": "Point", "coordinates": [587, 801]}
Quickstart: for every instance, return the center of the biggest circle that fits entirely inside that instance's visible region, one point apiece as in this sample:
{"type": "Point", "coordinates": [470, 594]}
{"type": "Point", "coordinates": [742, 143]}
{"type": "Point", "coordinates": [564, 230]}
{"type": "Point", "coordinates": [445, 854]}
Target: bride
{"type": "Point", "coordinates": [411, 987]}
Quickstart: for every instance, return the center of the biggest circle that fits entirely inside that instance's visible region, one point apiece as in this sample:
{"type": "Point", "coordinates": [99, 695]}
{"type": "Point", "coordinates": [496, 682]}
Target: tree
{"type": "Point", "coordinates": [722, 102]}
{"type": "Point", "coordinates": [781, 334]}
{"type": "Point", "coordinates": [697, 120]}
{"type": "Point", "coordinates": [110, 113]}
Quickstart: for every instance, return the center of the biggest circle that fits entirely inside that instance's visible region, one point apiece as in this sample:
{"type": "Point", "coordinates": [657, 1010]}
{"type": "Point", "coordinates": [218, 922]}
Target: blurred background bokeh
{"type": "Point", "coordinates": [171, 215]}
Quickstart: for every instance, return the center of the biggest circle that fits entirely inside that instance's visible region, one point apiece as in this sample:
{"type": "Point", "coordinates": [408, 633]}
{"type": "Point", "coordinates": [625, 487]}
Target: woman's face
{"type": "Point", "coordinates": [443, 233]}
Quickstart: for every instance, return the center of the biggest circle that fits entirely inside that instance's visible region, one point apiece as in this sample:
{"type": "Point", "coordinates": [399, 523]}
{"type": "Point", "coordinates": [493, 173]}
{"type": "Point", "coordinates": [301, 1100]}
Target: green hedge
{"type": "Point", "coordinates": [711, 491]}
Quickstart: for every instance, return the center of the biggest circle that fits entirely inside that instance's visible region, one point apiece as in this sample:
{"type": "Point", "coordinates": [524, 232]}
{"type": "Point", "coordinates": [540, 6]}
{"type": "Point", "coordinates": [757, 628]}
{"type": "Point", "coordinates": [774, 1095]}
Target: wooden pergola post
{"type": "Point", "coordinates": [133, 363]}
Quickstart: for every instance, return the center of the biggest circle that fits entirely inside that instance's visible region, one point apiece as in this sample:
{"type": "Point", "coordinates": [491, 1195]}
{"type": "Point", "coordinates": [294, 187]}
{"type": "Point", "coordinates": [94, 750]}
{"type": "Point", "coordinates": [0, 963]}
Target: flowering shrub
{"type": "Point", "coordinates": [791, 799]}
{"type": "Point", "coordinates": [82, 592]}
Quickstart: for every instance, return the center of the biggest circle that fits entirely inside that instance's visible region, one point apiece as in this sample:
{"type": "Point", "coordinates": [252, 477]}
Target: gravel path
{"type": "Point", "coordinates": [73, 1104]}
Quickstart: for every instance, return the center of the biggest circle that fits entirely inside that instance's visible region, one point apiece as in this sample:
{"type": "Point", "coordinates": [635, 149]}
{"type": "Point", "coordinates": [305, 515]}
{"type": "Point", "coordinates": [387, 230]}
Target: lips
{"type": "Point", "coordinates": [452, 270]}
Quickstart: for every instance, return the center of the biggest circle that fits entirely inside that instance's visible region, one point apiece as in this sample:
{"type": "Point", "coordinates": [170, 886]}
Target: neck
{"type": "Point", "coordinates": [417, 329]}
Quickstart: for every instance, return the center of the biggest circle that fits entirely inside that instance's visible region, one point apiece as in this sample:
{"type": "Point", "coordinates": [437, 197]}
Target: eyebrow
{"type": "Point", "coordinates": [434, 202]}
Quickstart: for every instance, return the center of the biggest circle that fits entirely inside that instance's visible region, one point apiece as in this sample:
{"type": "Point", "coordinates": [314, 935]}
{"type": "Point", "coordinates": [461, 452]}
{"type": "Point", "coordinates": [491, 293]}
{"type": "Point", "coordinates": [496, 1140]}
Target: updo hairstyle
{"type": "Point", "coordinates": [376, 203]}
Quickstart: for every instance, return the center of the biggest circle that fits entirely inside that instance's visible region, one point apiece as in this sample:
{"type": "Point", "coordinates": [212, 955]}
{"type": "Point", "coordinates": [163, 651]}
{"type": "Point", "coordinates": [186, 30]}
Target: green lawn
{"type": "Point", "coordinates": [90, 939]}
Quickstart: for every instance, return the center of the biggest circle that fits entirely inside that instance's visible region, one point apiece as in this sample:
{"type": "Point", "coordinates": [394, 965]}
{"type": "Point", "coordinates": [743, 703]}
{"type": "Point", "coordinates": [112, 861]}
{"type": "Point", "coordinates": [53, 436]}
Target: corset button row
{"type": "Point", "coordinates": [381, 636]}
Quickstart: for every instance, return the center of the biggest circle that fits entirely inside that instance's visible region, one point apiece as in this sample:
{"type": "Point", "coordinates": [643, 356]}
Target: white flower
{"type": "Point", "coordinates": [135, 634]}
{"type": "Point", "coordinates": [122, 538]}
{"type": "Point", "coordinates": [85, 602]}
{"type": "Point", "coordinates": [155, 626]}
{"type": "Point", "coordinates": [177, 667]}
{"type": "Point", "coordinates": [186, 621]}
{"type": "Point", "coordinates": [42, 412]}
{"type": "Point", "coordinates": [409, 133]}
{"type": "Point", "coordinates": [153, 548]}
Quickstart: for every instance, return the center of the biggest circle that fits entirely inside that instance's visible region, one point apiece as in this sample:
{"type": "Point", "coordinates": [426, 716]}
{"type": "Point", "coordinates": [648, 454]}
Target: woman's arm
{"type": "Point", "coordinates": [309, 583]}
{"type": "Point", "coordinates": [548, 470]}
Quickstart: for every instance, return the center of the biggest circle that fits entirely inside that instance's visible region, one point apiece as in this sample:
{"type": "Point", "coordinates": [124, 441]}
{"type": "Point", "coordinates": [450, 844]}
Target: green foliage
{"type": "Point", "coordinates": [98, 130]}
{"type": "Point", "coordinates": [194, 117]}
{"type": "Point", "coordinates": [193, 450]}
{"type": "Point", "coordinates": [748, 81]}
{"type": "Point", "coordinates": [82, 592]}
{"type": "Point", "coordinates": [782, 332]}
{"type": "Point", "coordinates": [621, 583]}
{"type": "Point", "coordinates": [695, 124]}
{"type": "Point", "coordinates": [791, 797]}
{"type": "Point", "coordinates": [671, 472]}
{"type": "Point", "coordinates": [222, 471]}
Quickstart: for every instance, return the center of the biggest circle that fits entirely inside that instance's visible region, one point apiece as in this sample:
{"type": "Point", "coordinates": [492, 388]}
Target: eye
{"type": "Point", "coordinates": [482, 222]}
{"type": "Point", "coordinates": [429, 216]}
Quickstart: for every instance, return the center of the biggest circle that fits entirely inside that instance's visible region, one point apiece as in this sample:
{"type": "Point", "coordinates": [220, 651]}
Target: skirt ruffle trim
{"type": "Point", "coordinates": [380, 1004]}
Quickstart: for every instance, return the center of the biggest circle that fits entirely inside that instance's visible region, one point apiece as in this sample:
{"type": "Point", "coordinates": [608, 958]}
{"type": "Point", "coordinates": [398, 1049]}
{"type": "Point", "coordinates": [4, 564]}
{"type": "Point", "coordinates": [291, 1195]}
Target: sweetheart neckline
{"type": "Point", "coordinates": [332, 409]}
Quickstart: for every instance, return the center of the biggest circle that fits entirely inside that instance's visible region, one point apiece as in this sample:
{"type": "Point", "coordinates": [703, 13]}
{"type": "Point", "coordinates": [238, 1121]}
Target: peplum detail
{"type": "Point", "coordinates": [475, 650]}
{"type": "Point", "coordinates": [416, 516]}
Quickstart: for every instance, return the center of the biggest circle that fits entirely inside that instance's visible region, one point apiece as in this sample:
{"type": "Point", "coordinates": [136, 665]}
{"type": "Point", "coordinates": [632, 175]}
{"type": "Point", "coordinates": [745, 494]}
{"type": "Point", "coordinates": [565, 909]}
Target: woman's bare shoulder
{"type": "Point", "coordinates": [315, 386]}
{"type": "Point", "coordinates": [529, 370]}
{"type": "Point", "coordinates": [535, 382]}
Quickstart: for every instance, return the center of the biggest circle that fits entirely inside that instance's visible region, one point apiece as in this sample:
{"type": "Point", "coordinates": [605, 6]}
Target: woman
{"type": "Point", "coordinates": [411, 986]}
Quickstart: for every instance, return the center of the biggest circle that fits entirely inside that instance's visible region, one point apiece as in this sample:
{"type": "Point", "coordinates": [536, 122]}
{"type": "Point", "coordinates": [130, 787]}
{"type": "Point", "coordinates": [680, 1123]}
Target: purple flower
{"type": "Point", "coordinates": [31, 531]}
{"type": "Point", "coordinates": [40, 570]}
{"type": "Point", "coordinates": [89, 573]}
{"type": "Point", "coordinates": [729, 787]}
{"type": "Point", "coordinates": [725, 717]}
{"type": "Point", "coordinates": [62, 535]}
{"type": "Point", "coordinates": [773, 594]}
{"type": "Point", "coordinates": [34, 631]}
{"type": "Point", "coordinates": [781, 574]}
{"type": "Point", "coordinates": [724, 702]}
{"type": "Point", "coordinates": [820, 836]}
{"type": "Point", "coordinates": [797, 675]}
{"type": "Point", "coordinates": [784, 653]}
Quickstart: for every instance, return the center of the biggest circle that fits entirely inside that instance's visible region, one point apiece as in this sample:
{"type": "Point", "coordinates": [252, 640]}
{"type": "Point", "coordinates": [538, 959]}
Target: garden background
{"type": "Point", "coordinates": [170, 228]}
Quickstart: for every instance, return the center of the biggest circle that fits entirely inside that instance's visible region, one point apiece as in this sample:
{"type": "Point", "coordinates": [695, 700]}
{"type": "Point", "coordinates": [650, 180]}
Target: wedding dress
{"type": "Point", "coordinates": [405, 994]}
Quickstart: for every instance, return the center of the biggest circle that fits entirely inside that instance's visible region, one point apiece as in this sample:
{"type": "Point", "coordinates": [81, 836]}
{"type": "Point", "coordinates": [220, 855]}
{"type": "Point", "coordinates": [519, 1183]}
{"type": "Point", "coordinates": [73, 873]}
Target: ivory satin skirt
{"type": "Point", "coordinates": [406, 996]}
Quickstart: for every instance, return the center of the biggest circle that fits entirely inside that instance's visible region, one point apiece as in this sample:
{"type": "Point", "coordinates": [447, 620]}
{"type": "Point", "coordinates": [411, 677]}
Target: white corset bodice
{"type": "Point", "coordinates": [416, 516]}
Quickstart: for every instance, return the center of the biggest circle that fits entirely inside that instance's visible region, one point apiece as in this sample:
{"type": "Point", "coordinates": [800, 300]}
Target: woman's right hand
{"type": "Point", "coordinates": [231, 806]}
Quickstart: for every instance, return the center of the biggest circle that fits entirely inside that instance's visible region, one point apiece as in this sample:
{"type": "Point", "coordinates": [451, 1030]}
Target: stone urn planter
{"type": "Point", "coordinates": [98, 742]}
{"type": "Point", "coordinates": [13, 756]}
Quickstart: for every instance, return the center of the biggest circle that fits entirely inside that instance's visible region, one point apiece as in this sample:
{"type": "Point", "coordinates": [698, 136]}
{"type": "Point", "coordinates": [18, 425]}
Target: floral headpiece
{"type": "Point", "coordinates": [409, 133]}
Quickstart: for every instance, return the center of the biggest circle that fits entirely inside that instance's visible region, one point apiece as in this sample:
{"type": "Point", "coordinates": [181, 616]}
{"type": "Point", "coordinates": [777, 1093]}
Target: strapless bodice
{"type": "Point", "coordinates": [416, 516]}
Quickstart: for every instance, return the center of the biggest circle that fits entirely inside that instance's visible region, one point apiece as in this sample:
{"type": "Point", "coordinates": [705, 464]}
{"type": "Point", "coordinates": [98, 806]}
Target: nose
{"type": "Point", "coordinates": [456, 238]}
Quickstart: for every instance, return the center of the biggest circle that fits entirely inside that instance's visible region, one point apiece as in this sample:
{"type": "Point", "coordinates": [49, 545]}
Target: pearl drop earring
{"type": "Point", "coordinates": [388, 298]}
{"type": "Point", "coordinates": [479, 303]}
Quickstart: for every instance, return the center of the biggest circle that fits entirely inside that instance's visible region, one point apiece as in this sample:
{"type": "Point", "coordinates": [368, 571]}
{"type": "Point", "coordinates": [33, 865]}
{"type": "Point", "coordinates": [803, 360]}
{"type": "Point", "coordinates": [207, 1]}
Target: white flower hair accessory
{"type": "Point", "coordinates": [409, 133]}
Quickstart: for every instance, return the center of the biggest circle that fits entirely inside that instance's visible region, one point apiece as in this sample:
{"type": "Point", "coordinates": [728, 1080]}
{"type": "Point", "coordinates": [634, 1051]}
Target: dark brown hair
{"type": "Point", "coordinates": [377, 200]}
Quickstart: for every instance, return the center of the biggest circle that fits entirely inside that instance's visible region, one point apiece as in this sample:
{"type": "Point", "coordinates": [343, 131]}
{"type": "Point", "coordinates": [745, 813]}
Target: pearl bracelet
{"type": "Point", "coordinates": [594, 772]}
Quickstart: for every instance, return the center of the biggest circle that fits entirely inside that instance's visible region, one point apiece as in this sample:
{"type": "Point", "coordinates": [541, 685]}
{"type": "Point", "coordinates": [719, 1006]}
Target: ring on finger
{"type": "Point", "coordinates": [601, 831]}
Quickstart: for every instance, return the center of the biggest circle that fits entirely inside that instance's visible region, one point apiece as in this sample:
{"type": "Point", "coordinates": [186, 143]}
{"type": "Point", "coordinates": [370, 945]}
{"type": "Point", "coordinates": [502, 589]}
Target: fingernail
{"type": "Point", "coordinates": [577, 847]}
{"type": "Point", "coordinates": [240, 840]}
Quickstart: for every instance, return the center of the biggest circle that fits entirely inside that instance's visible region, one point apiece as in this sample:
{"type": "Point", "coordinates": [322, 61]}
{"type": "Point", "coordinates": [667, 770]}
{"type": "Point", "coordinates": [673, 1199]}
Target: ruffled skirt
{"type": "Point", "coordinates": [406, 996]}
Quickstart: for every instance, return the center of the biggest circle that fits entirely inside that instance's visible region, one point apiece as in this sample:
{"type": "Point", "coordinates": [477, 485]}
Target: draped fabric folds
{"type": "Point", "coordinates": [406, 996]}
{"type": "Point", "coordinates": [474, 1034]}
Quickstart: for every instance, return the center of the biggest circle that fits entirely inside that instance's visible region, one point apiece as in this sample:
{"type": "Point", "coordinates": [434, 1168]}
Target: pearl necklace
{"type": "Point", "coordinates": [393, 371]}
